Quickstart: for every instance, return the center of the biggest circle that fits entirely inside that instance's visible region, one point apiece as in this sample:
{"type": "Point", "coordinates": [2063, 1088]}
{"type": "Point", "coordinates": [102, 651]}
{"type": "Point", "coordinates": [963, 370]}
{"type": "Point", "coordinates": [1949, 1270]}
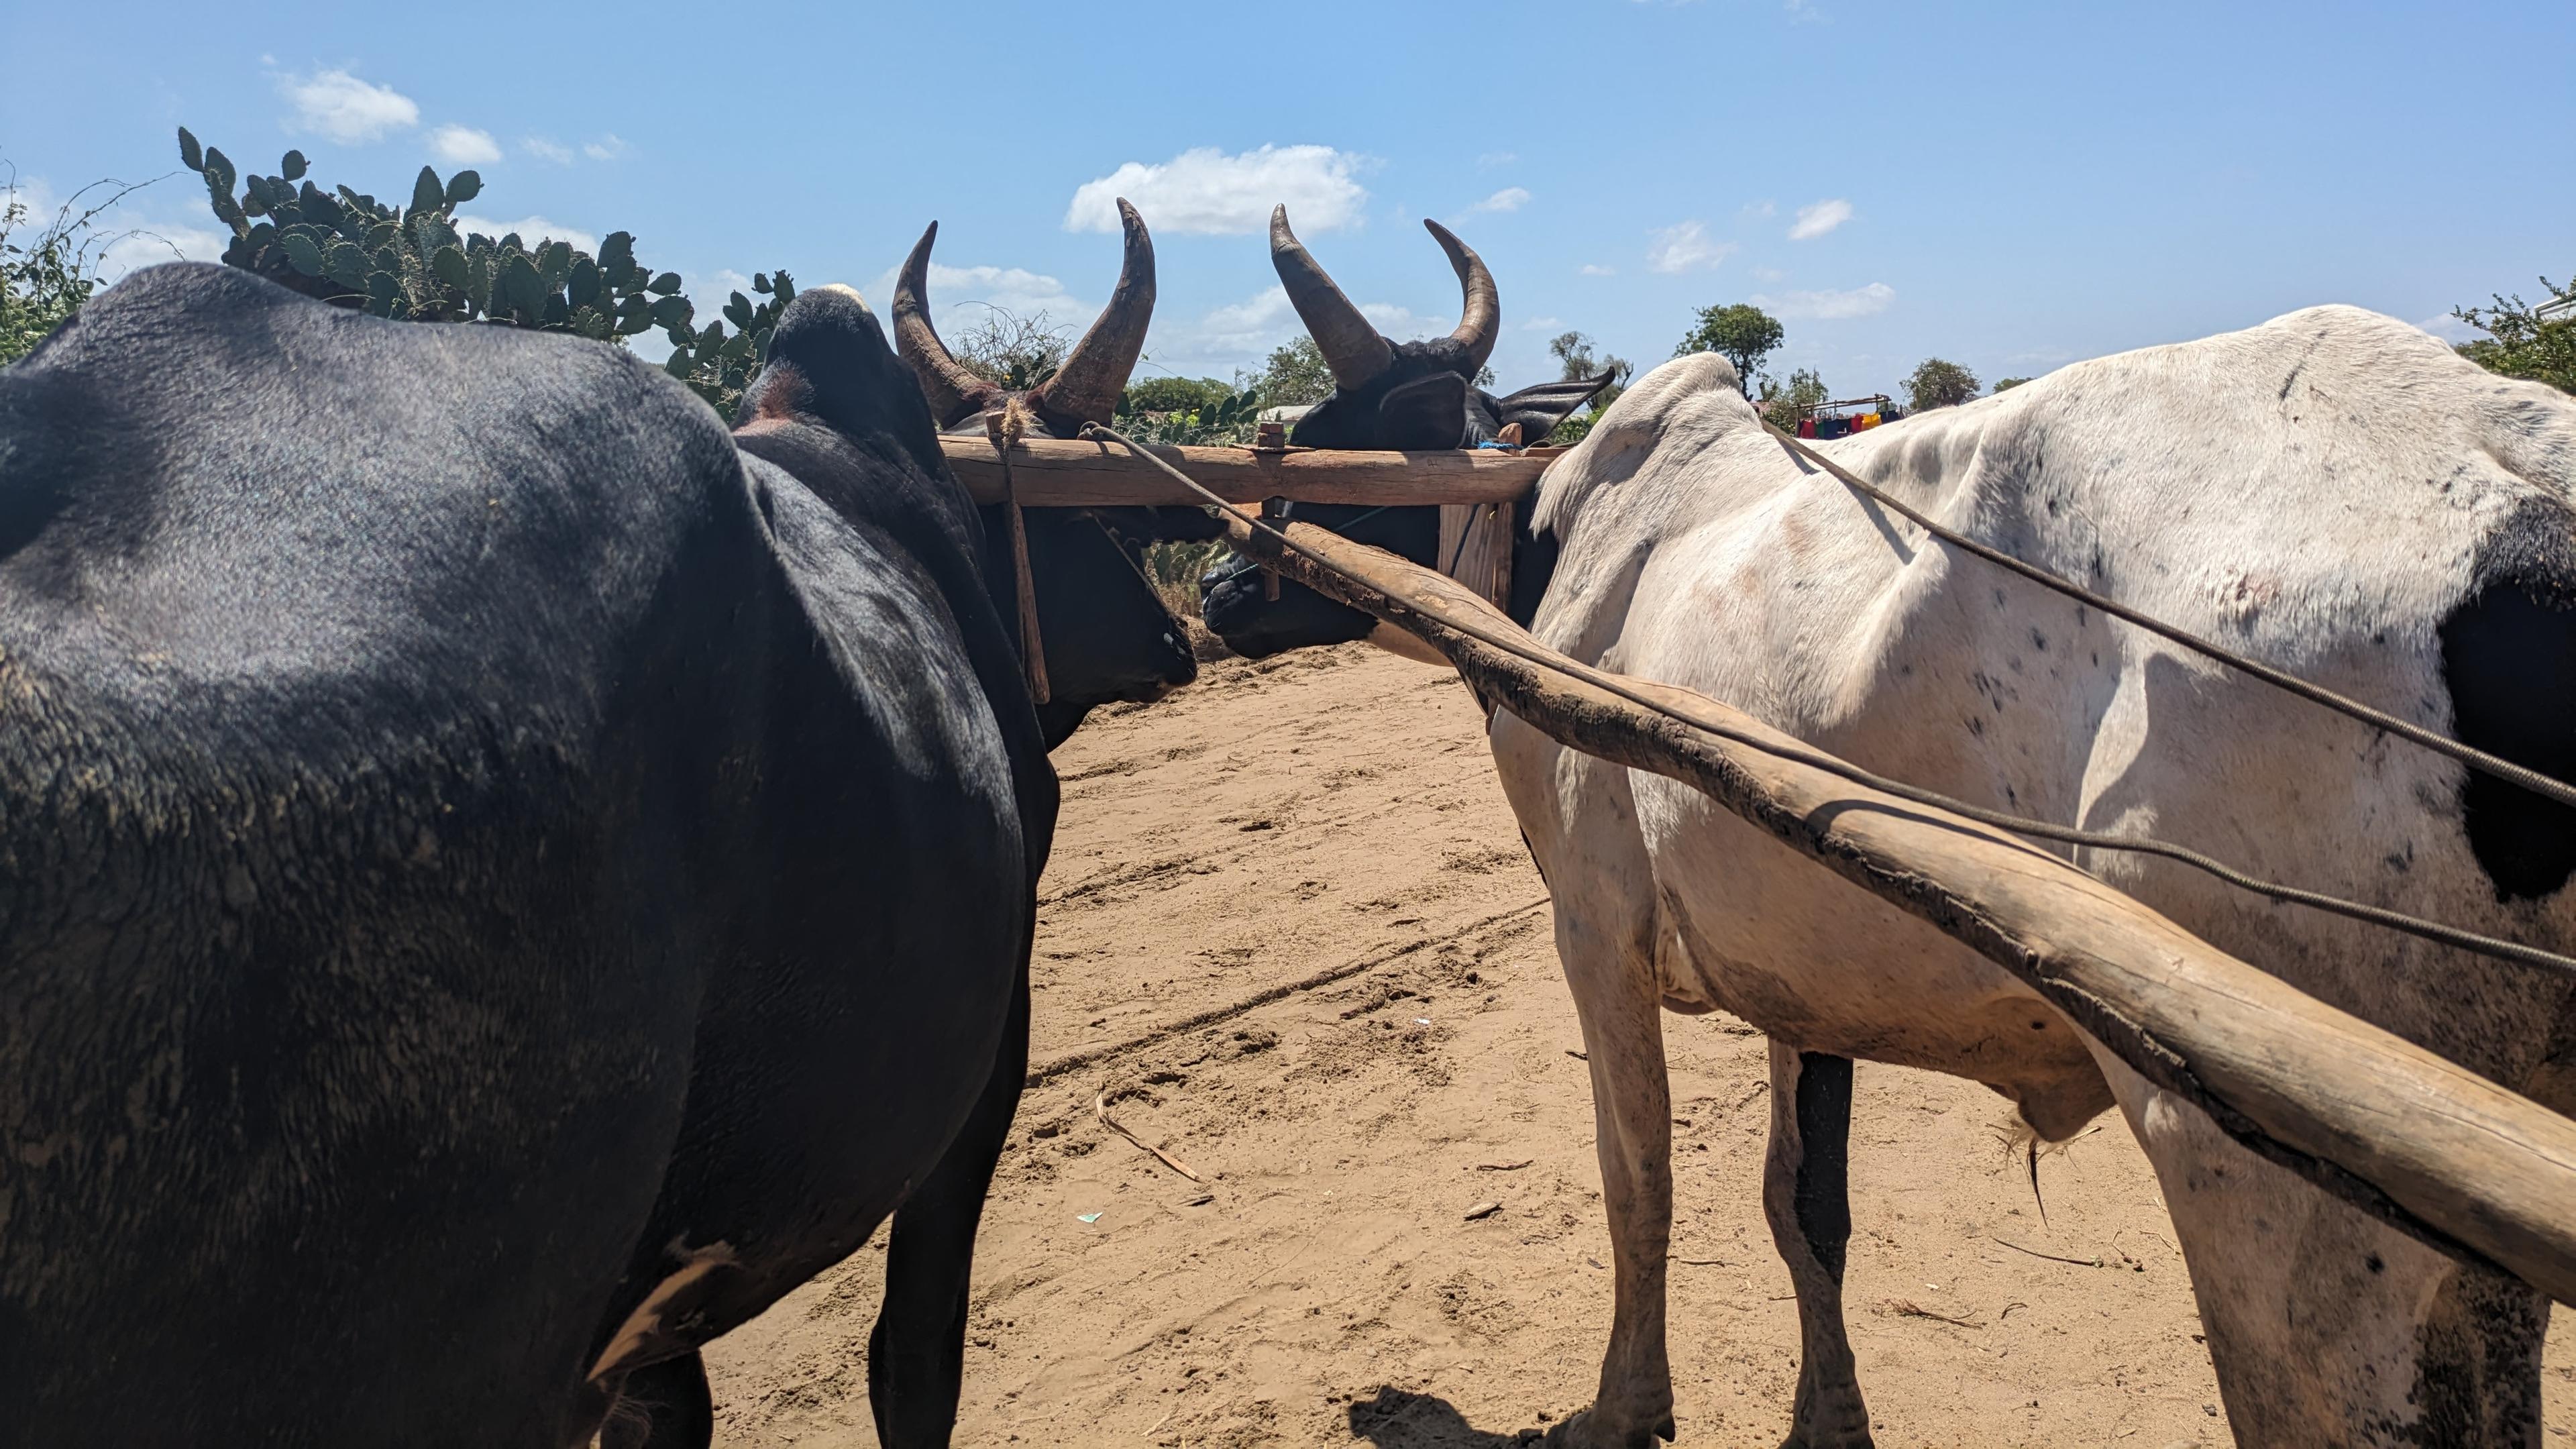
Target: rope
{"type": "Point", "coordinates": [2469, 755]}
{"type": "Point", "coordinates": [1613, 684]}
{"type": "Point", "coordinates": [1004, 429]}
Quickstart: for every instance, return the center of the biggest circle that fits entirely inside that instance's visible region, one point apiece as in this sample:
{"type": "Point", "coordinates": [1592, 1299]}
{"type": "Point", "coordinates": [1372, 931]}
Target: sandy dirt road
{"type": "Point", "coordinates": [1327, 1284]}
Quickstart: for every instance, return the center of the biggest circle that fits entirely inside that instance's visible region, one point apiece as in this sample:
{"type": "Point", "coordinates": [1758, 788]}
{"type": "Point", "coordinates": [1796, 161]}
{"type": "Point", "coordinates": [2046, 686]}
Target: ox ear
{"type": "Point", "coordinates": [1426, 413]}
{"type": "Point", "coordinates": [1539, 409]}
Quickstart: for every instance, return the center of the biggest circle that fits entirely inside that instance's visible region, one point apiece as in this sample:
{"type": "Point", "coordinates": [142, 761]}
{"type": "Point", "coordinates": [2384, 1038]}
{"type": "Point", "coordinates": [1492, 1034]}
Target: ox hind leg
{"type": "Point", "coordinates": [917, 1351]}
{"type": "Point", "coordinates": [1622, 1015]}
{"type": "Point", "coordinates": [2327, 1328]}
{"type": "Point", "coordinates": [1806, 1195]}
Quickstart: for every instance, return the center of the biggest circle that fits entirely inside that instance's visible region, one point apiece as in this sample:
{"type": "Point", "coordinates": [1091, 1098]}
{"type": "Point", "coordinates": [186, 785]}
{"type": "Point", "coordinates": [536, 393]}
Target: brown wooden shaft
{"type": "Point", "coordinates": [1055, 473]}
{"type": "Point", "coordinates": [2374, 1119]}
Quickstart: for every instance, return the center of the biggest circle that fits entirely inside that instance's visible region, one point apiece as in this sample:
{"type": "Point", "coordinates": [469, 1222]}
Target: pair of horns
{"type": "Point", "coordinates": [1086, 388]}
{"type": "Point", "coordinates": [1354, 349]}
{"type": "Point", "coordinates": [1094, 374]}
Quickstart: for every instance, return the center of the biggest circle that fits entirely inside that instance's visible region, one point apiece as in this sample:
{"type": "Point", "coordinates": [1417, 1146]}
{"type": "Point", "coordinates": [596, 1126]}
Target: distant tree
{"type": "Point", "coordinates": [1010, 350]}
{"type": "Point", "coordinates": [1172, 394]}
{"type": "Point", "coordinates": [2007, 384]}
{"type": "Point", "coordinates": [1787, 406]}
{"type": "Point", "coordinates": [1741, 333]}
{"type": "Point", "coordinates": [1577, 362]}
{"type": "Point", "coordinates": [1295, 375]}
{"type": "Point", "coordinates": [2533, 342]}
{"type": "Point", "coordinates": [1936, 383]}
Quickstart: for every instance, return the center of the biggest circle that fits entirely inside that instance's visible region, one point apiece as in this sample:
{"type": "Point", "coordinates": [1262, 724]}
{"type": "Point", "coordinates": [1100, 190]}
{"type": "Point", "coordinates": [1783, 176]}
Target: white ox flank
{"type": "Point", "coordinates": [2318, 492]}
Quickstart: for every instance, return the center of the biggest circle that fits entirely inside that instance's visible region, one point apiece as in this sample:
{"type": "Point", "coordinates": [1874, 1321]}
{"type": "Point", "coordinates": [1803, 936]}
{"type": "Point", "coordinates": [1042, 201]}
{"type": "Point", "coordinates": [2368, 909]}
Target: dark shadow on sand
{"type": "Point", "coordinates": [1395, 1419]}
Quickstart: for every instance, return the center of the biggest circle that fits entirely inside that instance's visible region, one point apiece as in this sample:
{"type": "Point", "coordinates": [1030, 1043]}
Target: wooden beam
{"type": "Point", "coordinates": [2417, 1140]}
{"type": "Point", "coordinates": [1054, 473]}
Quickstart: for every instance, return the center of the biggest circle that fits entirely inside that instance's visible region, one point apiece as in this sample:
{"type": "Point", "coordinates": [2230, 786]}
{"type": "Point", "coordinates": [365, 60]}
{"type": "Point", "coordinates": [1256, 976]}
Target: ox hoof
{"type": "Point", "coordinates": [1589, 1430]}
{"type": "Point", "coordinates": [1851, 1439]}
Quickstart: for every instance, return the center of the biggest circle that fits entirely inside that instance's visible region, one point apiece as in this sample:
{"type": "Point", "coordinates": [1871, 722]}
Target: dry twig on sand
{"type": "Point", "coordinates": [1908, 1308]}
{"type": "Point", "coordinates": [2093, 1262]}
{"type": "Point", "coordinates": [1100, 1109]}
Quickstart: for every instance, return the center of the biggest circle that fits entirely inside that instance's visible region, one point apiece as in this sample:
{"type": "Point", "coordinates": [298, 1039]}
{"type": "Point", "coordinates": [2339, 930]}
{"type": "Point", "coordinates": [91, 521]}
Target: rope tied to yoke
{"type": "Point", "coordinates": [1004, 429]}
{"type": "Point", "coordinates": [1617, 686]}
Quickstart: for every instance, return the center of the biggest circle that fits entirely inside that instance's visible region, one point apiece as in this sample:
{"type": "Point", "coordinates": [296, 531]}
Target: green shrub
{"type": "Point", "coordinates": [48, 269]}
{"type": "Point", "coordinates": [2534, 342]}
{"type": "Point", "coordinates": [410, 263]}
{"type": "Point", "coordinates": [1228, 417]}
{"type": "Point", "coordinates": [1172, 395]}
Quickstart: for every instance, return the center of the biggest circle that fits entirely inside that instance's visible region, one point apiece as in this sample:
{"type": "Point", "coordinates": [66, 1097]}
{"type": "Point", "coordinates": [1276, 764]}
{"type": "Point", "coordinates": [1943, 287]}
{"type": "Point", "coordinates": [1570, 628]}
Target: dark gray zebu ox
{"type": "Point", "coordinates": [1418, 395]}
{"type": "Point", "coordinates": [1072, 549]}
{"type": "Point", "coordinates": [497, 885]}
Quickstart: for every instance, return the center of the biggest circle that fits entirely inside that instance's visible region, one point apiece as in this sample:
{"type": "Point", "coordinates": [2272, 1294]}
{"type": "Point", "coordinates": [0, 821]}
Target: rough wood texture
{"type": "Point", "coordinates": [2382, 1123]}
{"type": "Point", "coordinates": [1054, 473]}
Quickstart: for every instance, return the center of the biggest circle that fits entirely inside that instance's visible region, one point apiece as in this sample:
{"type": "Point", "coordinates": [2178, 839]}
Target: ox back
{"type": "Point", "coordinates": [452, 817]}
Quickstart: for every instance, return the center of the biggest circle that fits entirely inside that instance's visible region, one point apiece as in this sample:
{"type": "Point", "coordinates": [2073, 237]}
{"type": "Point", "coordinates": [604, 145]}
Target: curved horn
{"type": "Point", "coordinates": [1094, 374]}
{"type": "Point", "coordinates": [1351, 347]}
{"type": "Point", "coordinates": [1480, 316]}
{"type": "Point", "coordinates": [950, 388]}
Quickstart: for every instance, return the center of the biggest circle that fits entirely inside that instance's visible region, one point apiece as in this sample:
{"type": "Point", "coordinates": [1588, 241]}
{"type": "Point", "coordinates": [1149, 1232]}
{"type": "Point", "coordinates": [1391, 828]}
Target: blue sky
{"type": "Point", "coordinates": [2010, 186]}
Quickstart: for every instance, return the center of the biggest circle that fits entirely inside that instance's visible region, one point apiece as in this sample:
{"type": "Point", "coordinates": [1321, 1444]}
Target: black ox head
{"type": "Point", "coordinates": [1406, 396]}
{"type": "Point", "coordinates": [1105, 634]}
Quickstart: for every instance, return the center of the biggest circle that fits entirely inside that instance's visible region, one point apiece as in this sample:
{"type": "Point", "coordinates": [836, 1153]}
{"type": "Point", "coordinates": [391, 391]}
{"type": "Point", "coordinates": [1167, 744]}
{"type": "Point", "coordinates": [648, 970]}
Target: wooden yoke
{"type": "Point", "coordinates": [1062, 473]}
{"type": "Point", "coordinates": [2416, 1140]}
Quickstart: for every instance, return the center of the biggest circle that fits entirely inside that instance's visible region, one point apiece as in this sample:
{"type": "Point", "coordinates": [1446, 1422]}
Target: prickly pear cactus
{"type": "Point", "coordinates": [410, 263]}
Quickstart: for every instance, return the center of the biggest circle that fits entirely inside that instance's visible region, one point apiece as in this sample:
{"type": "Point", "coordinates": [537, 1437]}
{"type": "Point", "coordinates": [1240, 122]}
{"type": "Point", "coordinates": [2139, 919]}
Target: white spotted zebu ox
{"type": "Point", "coordinates": [2332, 492]}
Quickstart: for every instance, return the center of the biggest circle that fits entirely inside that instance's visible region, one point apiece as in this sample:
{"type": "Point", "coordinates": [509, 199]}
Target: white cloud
{"type": "Point", "coordinates": [1817, 219]}
{"type": "Point", "coordinates": [532, 230]}
{"type": "Point", "coordinates": [1492, 159]}
{"type": "Point", "coordinates": [1510, 198]}
{"type": "Point", "coordinates": [1207, 192]}
{"type": "Point", "coordinates": [1403, 323]}
{"type": "Point", "coordinates": [1829, 305]}
{"type": "Point", "coordinates": [1769, 274]}
{"type": "Point", "coordinates": [1538, 324]}
{"type": "Point", "coordinates": [2451, 329]}
{"type": "Point", "coordinates": [961, 297]}
{"type": "Point", "coordinates": [1685, 247]}
{"type": "Point", "coordinates": [1595, 269]}
{"type": "Point", "coordinates": [607, 148]}
{"type": "Point", "coordinates": [1762, 210]}
{"type": "Point", "coordinates": [464, 146]}
{"type": "Point", "coordinates": [1240, 335]}
{"type": "Point", "coordinates": [545, 150]}
{"type": "Point", "coordinates": [346, 109]}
